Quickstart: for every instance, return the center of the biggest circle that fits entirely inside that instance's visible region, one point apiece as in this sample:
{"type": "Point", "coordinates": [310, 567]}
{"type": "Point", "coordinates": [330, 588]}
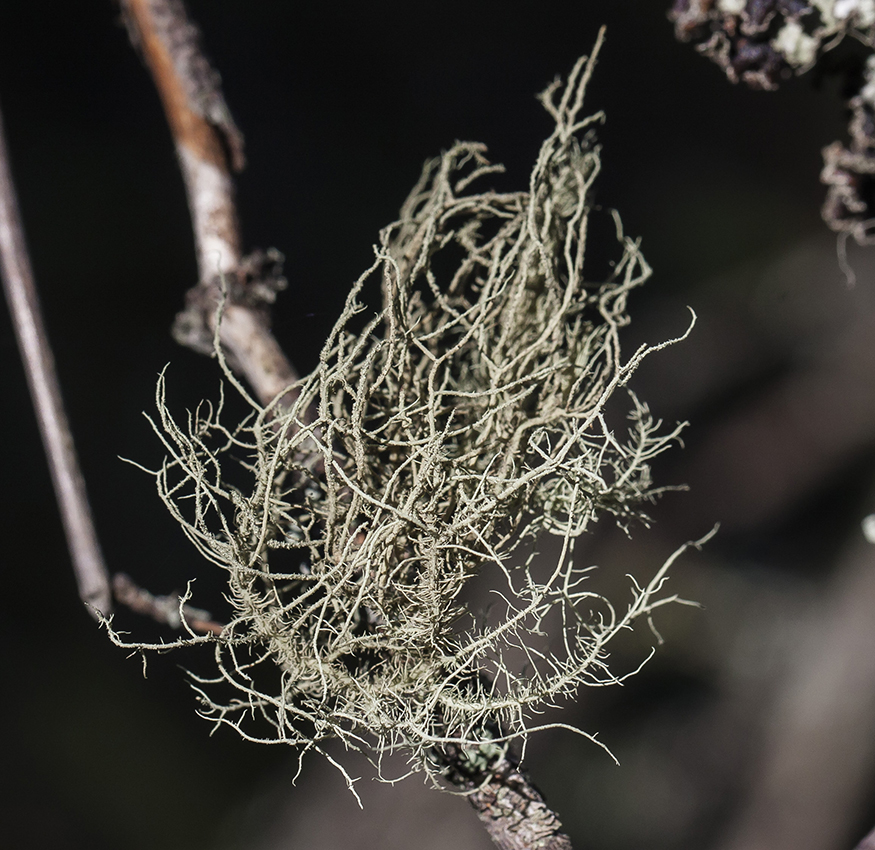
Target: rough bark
{"type": "Point", "coordinates": [515, 815]}
{"type": "Point", "coordinates": [509, 806]}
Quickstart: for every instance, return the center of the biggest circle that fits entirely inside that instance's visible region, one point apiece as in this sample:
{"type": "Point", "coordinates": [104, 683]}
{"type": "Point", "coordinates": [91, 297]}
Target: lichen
{"type": "Point", "coordinates": [436, 441]}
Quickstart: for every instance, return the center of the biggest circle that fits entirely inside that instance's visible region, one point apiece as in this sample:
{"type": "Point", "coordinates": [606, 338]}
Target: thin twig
{"type": "Point", "coordinates": [163, 609]}
{"type": "Point", "coordinates": [208, 145]}
{"type": "Point", "coordinates": [39, 365]}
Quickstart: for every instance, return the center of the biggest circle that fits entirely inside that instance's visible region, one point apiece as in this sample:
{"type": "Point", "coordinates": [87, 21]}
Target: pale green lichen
{"type": "Point", "coordinates": [433, 443]}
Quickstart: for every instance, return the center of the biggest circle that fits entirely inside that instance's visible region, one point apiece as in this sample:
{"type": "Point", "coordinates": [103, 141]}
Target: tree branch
{"type": "Point", "coordinates": [171, 610]}
{"type": "Point", "coordinates": [514, 813]}
{"type": "Point", "coordinates": [208, 144]}
{"type": "Point", "coordinates": [39, 366]}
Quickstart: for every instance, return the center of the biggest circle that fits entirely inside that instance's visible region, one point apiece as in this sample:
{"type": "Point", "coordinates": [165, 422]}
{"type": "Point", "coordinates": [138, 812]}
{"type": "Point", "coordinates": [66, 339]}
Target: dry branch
{"type": "Point", "coordinates": [208, 145]}
{"type": "Point", "coordinates": [172, 610]}
{"type": "Point", "coordinates": [39, 365]}
{"type": "Point", "coordinates": [814, 777]}
{"type": "Point", "coordinates": [514, 813]}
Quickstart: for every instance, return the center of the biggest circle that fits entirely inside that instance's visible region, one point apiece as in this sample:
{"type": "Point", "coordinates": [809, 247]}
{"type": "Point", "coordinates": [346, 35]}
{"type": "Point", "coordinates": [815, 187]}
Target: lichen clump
{"type": "Point", "coordinates": [436, 440]}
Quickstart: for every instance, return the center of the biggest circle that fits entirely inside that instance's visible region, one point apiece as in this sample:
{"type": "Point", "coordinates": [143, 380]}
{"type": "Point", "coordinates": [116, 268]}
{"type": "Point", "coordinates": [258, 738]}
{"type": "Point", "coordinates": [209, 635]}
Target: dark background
{"type": "Point", "coordinates": [340, 106]}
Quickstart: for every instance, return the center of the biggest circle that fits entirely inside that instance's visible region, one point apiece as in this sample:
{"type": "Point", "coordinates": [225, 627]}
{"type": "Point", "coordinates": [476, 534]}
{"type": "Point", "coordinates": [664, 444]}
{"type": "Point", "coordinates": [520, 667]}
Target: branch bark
{"type": "Point", "coordinates": [209, 145]}
{"type": "Point", "coordinates": [514, 813]}
{"type": "Point", "coordinates": [171, 610]}
{"type": "Point", "coordinates": [92, 577]}
{"type": "Point", "coordinates": [509, 806]}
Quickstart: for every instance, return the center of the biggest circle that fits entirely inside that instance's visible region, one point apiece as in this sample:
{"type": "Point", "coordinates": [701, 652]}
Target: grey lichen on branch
{"type": "Point", "coordinates": [451, 429]}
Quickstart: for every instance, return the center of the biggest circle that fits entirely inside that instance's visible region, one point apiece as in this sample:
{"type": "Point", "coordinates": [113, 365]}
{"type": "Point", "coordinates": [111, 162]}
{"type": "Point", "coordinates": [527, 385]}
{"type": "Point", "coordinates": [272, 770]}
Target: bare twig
{"type": "Point", "coordinates": [208, 144]}
{"type": "Point", "coordinates": [39, 365]}
{"type": "Point", "coordinates": [170, 610]}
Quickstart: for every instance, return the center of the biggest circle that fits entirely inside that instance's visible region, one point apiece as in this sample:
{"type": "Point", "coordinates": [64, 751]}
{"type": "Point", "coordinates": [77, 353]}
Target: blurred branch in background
{"type": "Point", "coordinates": [868, 843]}
{"type": "Point", "coordinates": [92, 576]}
{"type": "Point", "coordinates": [809, 778]}
{"type": "Point", "coordinates": [813, 779]}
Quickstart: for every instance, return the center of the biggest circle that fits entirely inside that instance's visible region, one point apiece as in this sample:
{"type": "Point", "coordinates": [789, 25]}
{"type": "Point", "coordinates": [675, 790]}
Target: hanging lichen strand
{"type": "Point", "coordinates": [431, 445]}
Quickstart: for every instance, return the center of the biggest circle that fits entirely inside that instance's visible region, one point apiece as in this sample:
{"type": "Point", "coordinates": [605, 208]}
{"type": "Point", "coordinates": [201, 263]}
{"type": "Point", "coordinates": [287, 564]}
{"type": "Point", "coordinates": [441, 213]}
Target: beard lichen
{"type": "Point", "coordinates": [462, 422]}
